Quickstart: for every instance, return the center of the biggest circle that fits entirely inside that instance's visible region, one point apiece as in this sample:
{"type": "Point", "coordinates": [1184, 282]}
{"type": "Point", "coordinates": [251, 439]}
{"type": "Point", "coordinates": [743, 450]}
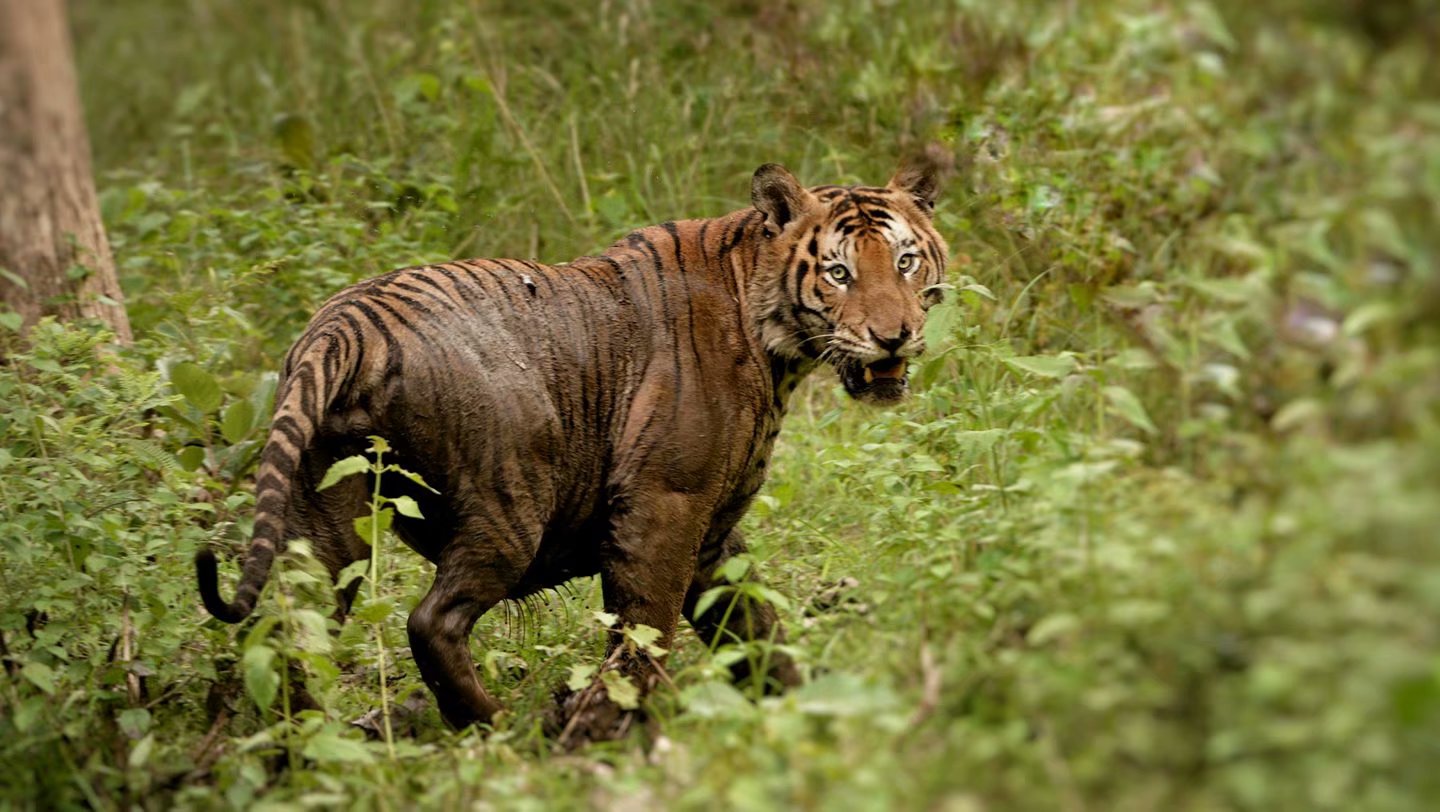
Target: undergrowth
{"type": "Point", "coordinates": [1156, 529]}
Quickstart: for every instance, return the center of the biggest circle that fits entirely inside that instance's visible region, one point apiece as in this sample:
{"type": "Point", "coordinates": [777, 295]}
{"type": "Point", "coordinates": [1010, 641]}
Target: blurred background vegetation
{"type": "Point", "coordinates": [1158, 529]}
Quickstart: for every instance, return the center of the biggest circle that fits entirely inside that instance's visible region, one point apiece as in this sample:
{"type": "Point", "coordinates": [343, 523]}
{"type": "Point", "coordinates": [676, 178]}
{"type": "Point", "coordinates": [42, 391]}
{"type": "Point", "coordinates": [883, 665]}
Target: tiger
{"type": "Point", "coordinates": [613, 415]}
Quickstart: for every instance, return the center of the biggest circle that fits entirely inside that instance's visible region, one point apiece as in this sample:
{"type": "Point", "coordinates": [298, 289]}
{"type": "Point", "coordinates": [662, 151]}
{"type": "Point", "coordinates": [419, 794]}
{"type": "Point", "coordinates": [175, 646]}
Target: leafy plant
{"type": "Point", "coordinates": [372, 528]}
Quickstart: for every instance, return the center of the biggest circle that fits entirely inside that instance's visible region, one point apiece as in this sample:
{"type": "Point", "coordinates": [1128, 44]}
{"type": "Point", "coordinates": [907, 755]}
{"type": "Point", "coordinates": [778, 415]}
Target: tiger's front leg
{"type": "Point", "coordinates": [646, 569]}
{"type": "Point", "coordinates": [740, 619]}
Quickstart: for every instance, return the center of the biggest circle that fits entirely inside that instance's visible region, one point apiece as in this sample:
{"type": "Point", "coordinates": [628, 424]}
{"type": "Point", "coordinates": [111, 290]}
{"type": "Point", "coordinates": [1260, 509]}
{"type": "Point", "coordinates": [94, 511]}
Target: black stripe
{"type": "Point", "coordinates": [658, 266]}
{"type": "Point", "coordinates": [469, 288]}
{"type": "Point", "coordinates": [863, 199]}
{"type": "Point", "coordinates": [332, 359]}
{"type": "Point", "coordinates": [689, 298]}
{"type": "Point", "coordinates": [287, 426]}
{"type": "Point", "coordinates": [389, 293]}
{"type": "Point", "coordinates": [283, 464]}
{"type": "Point", "coordinates": [305, 376]}
{"type": "Point", "coordinates": [435, 289]}
{"type": "Point", "coordinates": [402, 318]}
{"type": "Point", "coordinates": [738, 234]}
{"type": "Point", "coordinates": [271, 481]}
{"type": "Point", "coordinates": [357, 361]}
{"type": "Point", "coordinates": [394, 354]}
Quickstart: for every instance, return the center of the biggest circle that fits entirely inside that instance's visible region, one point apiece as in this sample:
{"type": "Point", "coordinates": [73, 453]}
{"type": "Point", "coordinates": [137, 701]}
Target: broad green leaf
{"type": "Point", "coordinates": [1136, 612]}
{"type": "Point", "coordinates": [375, 611]}
{"type": "Point", "coordinates": [978, 440]}
{"type": "Point", "coordinates": [371, 528]}
{"type": "Point", "coordinates": [29, 712]}
{"type": "Point", "coordinates": [134, 722]}
{"type": "Point", "coordinates": [1128, 296]}
{"type": "Point", "coordinates": [40, 675]}
{"type": "Point", "coordinates": [621, 690]}
{"type": "Point", "coordinates": [11, 321]}
{"type": "Point", "coordinates": [261, 681]}
{"type": "Point", "coordinates": [729, 655]}
{"type": "Point", "coordinates": [1230, 291]}
{"type": "Point", "coordinates": [239, 418]}
{"type": "Point", "coordinates": [296, 139]}
{"type": "Point", "coordinates": [607, 619]}
{"type": "Point", "coordinates": [941, 321]}
{"type": "Point", "coordinates": [758, 591]}
{"type": "Point", "coordinates": [418, 86]}
{"type": "Point", "coordinates": [196, 385]}
{"type": "Point", "coordinates": [841, 694]}
{"type": "Point", "coordinates": [1129, 408]}
{"type": "Point", "coordinates": [412, 476]}
{"type": "Point", "coordinates": [1132, 358]}
{"type": "Point", "coordinates": [140, 753]}
{"type": "Point", "coordinates": [353, 570]}
{"type": "Point", "coordinates": [1297, 413]}
{"type": "Point", "coordinates": [1051, 627]}
{"type": "Point", "coordinates": [1368, 315]}
{"type": "Point", "coordinates": [1224, 335]}
{"type": "Point", "coordinates": [645, 638]}
{"type": "Point", "coordinates": [260, 632]}
{"type": "Point", "coordinates": [310, 631]}
{"type": "Point", "coordinates": [327, 747]}
{"type": "Point", "coordinates": [13, 278]}
{"type": "Point", "coordinates": [715, 700]}
{"type": "Point", "coordinates": [580, 675]}
{"type": "Point", "coordinates": [343, 468]}
{"type": "Point", "coordinates": [734, 569]}
{"type": "Point", "coordinates": [406, 506]}
{"type": "Point", "coordinates": [263, 398]}
{"type": "Point", "coordinates": [1046, 366]}
{"type": "Point", "coordinates": [979, 290]}
{"type": "Point", "coordinates": [191, 457]}
{"type": "Point", "coordinates": [708, 599]}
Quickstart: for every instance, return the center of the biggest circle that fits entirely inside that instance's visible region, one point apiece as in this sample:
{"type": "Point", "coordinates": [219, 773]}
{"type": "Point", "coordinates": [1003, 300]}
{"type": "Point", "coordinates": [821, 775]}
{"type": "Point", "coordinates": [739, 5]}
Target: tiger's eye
{"type": "Point", "coordinates": [839, 273]}
{"type": "Point", "coordinates": [907, 263]}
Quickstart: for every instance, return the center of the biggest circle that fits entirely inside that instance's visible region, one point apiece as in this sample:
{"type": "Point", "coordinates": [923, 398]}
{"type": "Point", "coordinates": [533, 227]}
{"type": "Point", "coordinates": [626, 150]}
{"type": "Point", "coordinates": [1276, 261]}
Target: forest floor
{"type": "Point", "coordinates": [1156, 529]}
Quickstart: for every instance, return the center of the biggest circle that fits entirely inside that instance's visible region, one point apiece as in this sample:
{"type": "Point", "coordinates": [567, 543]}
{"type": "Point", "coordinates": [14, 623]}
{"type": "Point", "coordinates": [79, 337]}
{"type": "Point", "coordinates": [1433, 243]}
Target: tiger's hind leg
{"type": "Point", "coordinates": [475, 571]}
{"type": "Point", "coordinates": [738, 620]}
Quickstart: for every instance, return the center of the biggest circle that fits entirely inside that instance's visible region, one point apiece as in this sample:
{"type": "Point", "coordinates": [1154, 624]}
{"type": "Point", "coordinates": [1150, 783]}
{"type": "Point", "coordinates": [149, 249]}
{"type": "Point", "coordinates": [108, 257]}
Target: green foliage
{"type": "Point", "coordinates": [96, 652]}
{"type": "Point", "coordinates": [1156, 530]}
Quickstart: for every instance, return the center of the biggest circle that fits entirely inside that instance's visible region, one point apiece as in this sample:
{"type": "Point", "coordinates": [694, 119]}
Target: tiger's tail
{"type": "Point", "coordinates": [317, 369]}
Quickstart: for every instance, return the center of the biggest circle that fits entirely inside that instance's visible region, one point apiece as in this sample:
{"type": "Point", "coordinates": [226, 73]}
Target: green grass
{"type": "Point", "coordinates": [1156, 530]}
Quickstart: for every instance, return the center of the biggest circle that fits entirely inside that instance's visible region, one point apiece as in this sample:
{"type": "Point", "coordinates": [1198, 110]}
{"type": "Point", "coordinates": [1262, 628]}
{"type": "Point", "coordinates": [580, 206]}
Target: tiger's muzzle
{"type": "Point", "coordinates": [880, 382]}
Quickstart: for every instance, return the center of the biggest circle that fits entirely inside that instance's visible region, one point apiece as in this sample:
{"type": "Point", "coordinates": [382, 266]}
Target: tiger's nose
{"type": "Point", "coordinates": [891, 344]}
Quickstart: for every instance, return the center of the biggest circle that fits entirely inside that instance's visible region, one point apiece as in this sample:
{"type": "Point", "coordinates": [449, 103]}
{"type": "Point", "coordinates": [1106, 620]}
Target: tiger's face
{"type": "Point", "coordinates": [848, 273]}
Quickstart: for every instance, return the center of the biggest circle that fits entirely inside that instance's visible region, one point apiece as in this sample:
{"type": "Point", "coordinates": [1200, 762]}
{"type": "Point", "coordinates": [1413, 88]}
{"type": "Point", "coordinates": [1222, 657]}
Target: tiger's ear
{"type": "Point", "coordinates": [924, 174]}
{"type": "Point", "coordinates": [778, 196]}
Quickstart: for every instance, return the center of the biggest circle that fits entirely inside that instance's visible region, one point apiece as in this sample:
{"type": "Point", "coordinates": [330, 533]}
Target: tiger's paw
{"type": "Point", "coordinates": [592, 715]}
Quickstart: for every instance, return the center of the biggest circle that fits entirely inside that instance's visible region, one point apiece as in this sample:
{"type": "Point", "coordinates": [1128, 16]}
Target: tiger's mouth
{"type": "Point", "coordinates": [882, 382]}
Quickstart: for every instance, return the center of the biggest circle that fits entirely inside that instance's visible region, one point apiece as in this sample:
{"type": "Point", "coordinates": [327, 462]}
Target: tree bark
{"type": "Point", "coordinates": [51, 235]}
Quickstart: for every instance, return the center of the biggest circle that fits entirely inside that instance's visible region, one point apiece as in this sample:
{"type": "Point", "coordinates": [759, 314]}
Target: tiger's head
{"type": "Point", "coordinates": [845, 273]}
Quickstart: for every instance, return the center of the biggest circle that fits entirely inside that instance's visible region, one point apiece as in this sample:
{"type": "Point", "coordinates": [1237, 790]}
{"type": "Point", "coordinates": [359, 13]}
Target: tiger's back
{"type": "Point", "coordinates": [517, 377]}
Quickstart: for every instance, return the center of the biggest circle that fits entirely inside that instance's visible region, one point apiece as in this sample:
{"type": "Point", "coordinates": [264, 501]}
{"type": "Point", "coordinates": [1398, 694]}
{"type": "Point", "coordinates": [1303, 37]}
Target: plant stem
{"type": "Point", "coordinates": [375, 502]}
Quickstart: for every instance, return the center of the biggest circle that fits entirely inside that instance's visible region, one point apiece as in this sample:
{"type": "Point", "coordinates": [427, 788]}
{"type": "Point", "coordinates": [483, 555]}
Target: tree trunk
{"type": "Point", "coordinates": [51, 236]}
